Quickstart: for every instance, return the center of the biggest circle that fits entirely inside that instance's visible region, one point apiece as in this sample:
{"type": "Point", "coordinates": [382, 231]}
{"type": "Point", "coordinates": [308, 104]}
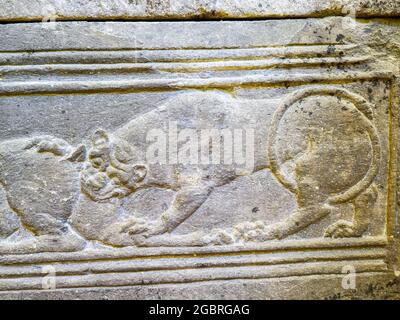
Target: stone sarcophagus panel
{"type": "Point", "coordinates": [203, 159]}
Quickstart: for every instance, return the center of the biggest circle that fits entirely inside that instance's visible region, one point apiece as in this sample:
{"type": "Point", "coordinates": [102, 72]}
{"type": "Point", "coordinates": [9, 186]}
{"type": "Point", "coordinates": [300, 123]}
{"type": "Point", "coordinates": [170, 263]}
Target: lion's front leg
{"type": "Point", "coordinates": [58, 147]}
{"type": "Point", "coordinates": [67, 242]}
{"type": "Point", "coordinates": [186, 202]}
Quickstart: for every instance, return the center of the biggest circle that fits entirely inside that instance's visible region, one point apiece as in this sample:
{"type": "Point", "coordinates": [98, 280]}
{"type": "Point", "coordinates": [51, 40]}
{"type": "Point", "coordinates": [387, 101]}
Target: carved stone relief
{"type": "Point", "coordinates": [155, 160]}
{"type": "Point", "coordinates": [316, 138]}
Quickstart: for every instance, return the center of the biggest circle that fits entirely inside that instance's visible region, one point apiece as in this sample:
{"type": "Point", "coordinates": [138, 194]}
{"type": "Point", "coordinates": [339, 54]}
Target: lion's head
{"type": "Point", "coordinates": [110, 169]}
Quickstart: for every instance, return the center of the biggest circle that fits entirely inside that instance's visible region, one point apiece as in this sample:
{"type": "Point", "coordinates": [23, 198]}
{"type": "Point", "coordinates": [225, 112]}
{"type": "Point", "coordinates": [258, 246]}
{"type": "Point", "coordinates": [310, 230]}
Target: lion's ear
{"type": "Point", "coordinates": [140, 172]}
{"type": "Point", "coordinates": [100, 138]}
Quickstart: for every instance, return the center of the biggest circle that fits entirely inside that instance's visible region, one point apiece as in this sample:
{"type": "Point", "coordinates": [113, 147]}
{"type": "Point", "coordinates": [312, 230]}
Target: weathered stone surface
{"type": "Point", "coordinates": [25, 10]}
{"type": "Point", "coordinates": [232, 159]}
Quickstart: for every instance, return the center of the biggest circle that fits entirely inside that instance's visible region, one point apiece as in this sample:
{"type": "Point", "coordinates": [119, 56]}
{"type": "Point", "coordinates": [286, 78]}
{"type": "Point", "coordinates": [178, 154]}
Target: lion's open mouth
{"type": "Point", "coordinates": [98, 186]}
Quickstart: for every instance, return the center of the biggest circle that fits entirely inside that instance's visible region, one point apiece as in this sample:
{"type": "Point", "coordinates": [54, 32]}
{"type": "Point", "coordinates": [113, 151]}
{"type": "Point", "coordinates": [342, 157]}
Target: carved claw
{"type": "Point", "coordinates": [143, 227]}
{"type": "Point", "coordinates": [257, 231]}
{"type": "Point", "coordinates": [249, 231]}
{"type": "Point", "coordinates": [342, 229]}
{"type": "Point", "coordinates": [218, 237]}
{"type": "Point", "coordinates": [135, 226]}
{"type": "Point", "coordinates": [55, 146]}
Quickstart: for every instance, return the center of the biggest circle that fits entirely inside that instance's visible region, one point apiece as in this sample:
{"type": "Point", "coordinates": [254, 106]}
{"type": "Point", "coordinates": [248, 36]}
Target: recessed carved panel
{"type": "Point", "coordinates": [220, 163]}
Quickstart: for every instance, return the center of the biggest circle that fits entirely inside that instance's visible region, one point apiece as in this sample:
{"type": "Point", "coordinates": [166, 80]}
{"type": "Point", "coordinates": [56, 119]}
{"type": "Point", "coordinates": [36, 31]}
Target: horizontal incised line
{"type": "Point", "coordinates": [168, 55]}
{"type": "Point", "coordinates": [54, 87]}
{"type": "Point", "coordinates": [191, 275]}
{"type": "Point", "coordinates": [138, 265]}
{"type": "Point", "coordinates": [179, 252]}
{"type": "Point", "coordinates": [178, 67]}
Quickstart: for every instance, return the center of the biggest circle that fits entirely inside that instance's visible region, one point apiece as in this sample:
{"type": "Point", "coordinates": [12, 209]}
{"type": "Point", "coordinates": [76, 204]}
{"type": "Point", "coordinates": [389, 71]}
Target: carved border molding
{"type": "Point", "coordinates": [147, 266]}
{"type": "Point", "coordinates": [124, 86]}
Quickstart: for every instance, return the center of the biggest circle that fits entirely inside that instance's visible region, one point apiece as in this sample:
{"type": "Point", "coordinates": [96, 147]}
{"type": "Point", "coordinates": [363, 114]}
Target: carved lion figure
{"type": "Point", "coordinates": [58, 191]}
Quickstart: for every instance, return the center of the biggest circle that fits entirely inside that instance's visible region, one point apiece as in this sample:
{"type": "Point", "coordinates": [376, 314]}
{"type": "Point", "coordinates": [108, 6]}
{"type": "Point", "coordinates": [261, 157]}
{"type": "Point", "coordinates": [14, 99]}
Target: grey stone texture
{"type": "Point", "coordinates": [254, 158]}
{"type": "Point", "coordinates": [25, 10]}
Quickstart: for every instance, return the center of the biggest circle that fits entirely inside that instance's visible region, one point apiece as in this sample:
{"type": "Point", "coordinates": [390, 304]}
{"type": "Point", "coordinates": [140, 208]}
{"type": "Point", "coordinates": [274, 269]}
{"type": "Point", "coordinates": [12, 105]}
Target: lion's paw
{"type": "Point", "coordinates": [256, 231]}
{"type": "Point", "coordinates": [56, 146]}
{"type": "Point", "coordinates": [342, 229]}
{"type": "Point", "coordinates": [134, 225]}
{"type": "Point", "coordinates": [219, 237]}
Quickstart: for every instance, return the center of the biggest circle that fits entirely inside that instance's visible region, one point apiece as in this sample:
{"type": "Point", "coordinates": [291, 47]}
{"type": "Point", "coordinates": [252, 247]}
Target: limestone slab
{"type": "Point", "coordinates": [199, 159]}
